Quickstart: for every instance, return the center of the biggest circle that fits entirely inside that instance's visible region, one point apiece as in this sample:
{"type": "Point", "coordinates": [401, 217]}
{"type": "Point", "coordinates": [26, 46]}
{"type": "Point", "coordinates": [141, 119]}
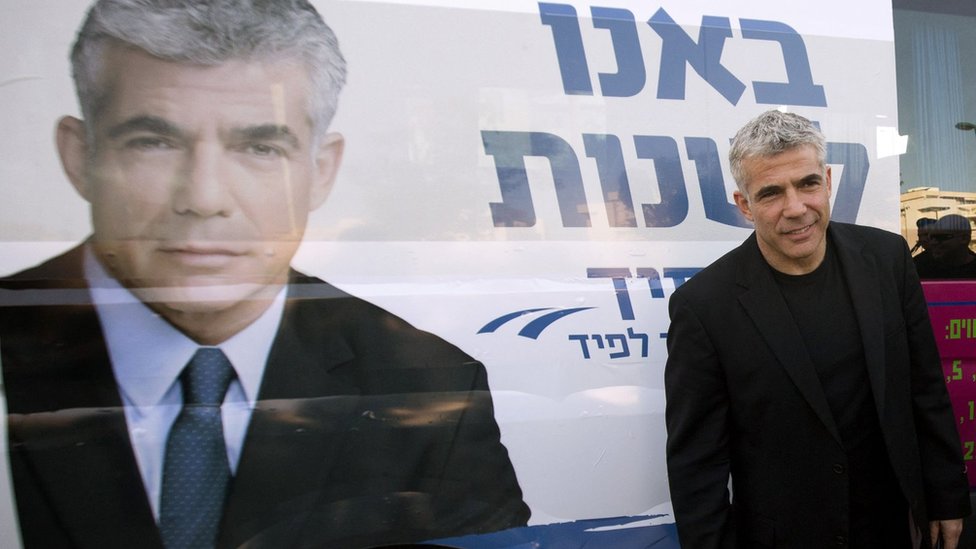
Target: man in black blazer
{"type": "Point", "coordinates": [203, 150]}
{"type": "Point", "coordinates": [802, 366]}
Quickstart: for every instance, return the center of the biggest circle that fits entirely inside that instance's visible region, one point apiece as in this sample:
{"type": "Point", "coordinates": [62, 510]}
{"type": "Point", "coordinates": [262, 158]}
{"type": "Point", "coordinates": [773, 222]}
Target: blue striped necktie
{"type": "Point", "coordinates": [195, 469]}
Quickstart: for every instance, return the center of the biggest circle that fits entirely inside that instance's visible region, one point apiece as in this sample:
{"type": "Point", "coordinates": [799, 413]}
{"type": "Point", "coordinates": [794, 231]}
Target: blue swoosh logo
{"type": "Point", "coordinates": [535, 327]}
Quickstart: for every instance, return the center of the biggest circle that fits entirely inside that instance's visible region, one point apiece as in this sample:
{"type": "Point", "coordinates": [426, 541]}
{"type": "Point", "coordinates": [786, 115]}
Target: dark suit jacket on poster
{"type": "Point", "coordinates": [744, 398]}
{"type": "Point", "coordinates": [367, 431]}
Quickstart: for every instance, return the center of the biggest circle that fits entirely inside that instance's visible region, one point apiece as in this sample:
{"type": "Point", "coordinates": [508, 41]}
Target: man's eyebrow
{"type": "Point", "coordinates": [267, 132]}
{"type": "Point", "coordinates": [767, 189]}
{"type": "Point", "coordinates": [773, 187]}
{"type": "Point", "coordinates": [152, 124]}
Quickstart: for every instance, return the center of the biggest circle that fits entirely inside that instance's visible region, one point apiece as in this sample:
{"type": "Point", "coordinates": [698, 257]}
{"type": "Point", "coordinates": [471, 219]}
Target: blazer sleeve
{"type": "Point", "coordinates": [943, 472]}
{"type": "Point", "coordinates": [697, 417]}
{"type": "Point", "coordinates": [479, 491]}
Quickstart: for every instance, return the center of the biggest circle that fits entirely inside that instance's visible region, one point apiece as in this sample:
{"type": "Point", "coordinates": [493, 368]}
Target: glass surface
{"type": "Point", "coordinates": [936, 112]}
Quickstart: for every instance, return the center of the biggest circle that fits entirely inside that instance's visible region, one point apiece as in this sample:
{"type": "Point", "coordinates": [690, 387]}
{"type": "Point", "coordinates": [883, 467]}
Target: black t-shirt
{"type": "Point", "coordinates": [821, 306]}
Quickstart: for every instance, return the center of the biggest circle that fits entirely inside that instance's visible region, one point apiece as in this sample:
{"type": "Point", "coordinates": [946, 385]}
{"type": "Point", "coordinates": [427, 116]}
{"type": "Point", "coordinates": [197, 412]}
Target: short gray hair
{"type": "Point", "coordinates": [211, 32]}
{"type": "Point", "coordinates": [772, 133]}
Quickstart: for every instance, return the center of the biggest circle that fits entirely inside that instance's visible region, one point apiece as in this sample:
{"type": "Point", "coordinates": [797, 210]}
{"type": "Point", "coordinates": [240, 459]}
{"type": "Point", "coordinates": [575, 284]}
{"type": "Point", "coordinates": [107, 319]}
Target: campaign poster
{"type": "Point", "coordinates": [529, 181]}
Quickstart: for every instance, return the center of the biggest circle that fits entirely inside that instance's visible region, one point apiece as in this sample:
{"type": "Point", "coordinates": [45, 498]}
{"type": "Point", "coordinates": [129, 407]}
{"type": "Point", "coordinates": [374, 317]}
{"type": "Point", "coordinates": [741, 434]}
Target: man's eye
{"type": "Point", "coordinates": [149, 144]}
{"type": "Point", "coordinates": [263, 149]}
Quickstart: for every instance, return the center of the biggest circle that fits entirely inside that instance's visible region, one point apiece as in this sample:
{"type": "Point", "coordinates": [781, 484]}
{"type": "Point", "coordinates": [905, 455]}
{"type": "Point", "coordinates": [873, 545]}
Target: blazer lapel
{"type": "Point", "coordinates": [861, 274]}
{"type": "Point", "coordinates": [302, 414]}
{"type": "Point", "coordinates": [766, 307]}
{"type": "Point", "coordinates": [88, 476]}
{"type": "Point", "coordinates": [78, 456]}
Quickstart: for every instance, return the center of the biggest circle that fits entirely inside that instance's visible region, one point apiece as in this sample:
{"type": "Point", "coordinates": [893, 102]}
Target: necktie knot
{"type": "Point", "coordinates": [206, 377]}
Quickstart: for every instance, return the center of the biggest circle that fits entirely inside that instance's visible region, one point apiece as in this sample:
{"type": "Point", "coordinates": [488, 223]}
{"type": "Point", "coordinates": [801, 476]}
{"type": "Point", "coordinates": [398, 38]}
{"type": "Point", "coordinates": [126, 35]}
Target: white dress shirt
{"type": "Point", "coordinates": [148, 355]}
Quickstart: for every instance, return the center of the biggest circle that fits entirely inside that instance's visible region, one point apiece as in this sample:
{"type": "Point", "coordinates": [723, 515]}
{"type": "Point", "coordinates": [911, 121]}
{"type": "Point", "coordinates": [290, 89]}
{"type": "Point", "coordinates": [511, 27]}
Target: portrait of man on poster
{"type": "Point", "coordinates": [172, 381]}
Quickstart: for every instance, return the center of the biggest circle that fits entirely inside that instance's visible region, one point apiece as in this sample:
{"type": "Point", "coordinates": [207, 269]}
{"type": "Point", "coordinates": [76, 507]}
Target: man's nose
{"type": "Point", "coordinates": [204, 187]}
{"type": "Point", "coordinates": [795, 206]}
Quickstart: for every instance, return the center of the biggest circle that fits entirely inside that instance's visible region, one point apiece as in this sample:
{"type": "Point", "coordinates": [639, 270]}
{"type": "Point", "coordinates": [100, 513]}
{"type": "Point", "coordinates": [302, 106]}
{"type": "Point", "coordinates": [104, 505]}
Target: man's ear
{"type": "Point", "coordinates": [72, 143]}
{"type": "Point", "coordinates": [328, 157]}
{"type": "Point", "coordinates": [743, 204]}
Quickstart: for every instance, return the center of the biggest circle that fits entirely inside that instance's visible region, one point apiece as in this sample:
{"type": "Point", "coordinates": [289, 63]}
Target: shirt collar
{"type": "Point", "coordinates": [148, 353]}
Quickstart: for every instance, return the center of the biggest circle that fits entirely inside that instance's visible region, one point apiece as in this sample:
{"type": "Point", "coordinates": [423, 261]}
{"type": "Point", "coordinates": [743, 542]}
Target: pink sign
{"type": "Point", "coordinates": [952, 308]}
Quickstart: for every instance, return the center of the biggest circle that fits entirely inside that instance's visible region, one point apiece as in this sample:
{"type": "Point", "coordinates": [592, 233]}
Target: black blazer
{"type": "Point", "coordinates": [743, 398]}
{"type": "Point", "coordinates": [367, 431]}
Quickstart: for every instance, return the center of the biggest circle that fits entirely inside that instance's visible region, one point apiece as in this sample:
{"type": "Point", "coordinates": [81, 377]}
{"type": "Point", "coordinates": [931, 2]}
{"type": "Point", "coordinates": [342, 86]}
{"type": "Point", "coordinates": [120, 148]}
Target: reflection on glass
{"type": "Point", "coordinates": [947, 252]}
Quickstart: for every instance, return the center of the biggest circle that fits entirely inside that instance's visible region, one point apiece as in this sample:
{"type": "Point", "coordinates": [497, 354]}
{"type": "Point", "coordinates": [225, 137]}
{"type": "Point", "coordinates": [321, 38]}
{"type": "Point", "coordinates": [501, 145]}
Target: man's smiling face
{"type": "Point", "coordinates": [787, 197]}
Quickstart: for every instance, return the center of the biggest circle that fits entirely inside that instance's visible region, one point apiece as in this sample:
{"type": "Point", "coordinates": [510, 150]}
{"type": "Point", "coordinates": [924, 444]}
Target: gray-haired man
{"type": "Point", "coordinates": [803, 366]}
{"type": "Point", "coordinates": [190, 389]}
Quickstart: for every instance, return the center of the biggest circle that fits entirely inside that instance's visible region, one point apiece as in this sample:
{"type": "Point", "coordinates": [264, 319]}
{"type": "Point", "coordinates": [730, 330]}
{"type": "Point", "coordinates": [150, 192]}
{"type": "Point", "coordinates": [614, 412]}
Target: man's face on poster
{"type": "Point", "coordinates": [200, 178]}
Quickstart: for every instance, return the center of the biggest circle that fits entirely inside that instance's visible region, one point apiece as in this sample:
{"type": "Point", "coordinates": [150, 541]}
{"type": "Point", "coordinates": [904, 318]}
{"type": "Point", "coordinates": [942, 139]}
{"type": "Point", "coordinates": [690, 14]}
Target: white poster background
{"type": "Point", "coordinates": [408, 224]}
